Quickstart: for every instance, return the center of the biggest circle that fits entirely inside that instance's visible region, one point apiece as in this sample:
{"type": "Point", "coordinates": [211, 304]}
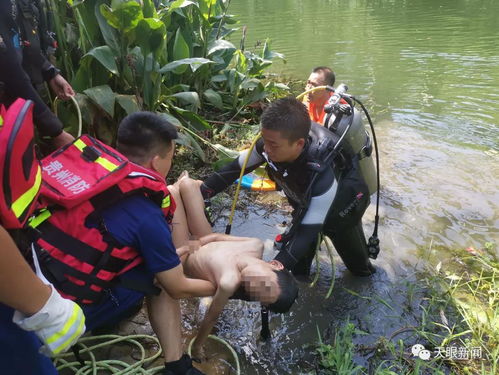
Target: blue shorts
{"type": "Point", "coordinates": [19, 349]}
{"type": "Point", "coordinates": [112, 309]}
{"type": "Point", "coordinates": [119, 300]}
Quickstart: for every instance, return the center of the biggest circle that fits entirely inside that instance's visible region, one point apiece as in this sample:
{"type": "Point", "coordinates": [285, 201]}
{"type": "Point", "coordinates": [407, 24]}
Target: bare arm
{"type": "Point", "coordinates": [213, 237]}
{"type": "Point", "coordinates": [19, 286]}
{"type": "Point", "coordinates": [227, 287]}
{"type": "Point", "coordinates": [178, 286]}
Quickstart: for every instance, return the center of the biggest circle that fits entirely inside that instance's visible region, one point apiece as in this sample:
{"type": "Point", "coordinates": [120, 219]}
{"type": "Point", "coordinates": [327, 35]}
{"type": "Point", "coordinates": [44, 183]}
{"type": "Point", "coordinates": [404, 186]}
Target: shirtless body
{"type": "Point", "coordinates": [228, 261]}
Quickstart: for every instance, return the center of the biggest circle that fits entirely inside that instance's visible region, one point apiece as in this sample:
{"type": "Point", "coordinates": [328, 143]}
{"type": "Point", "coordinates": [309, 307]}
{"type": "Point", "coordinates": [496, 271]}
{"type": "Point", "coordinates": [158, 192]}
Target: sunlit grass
{"type": "Point", "coordinates": [459, 309]}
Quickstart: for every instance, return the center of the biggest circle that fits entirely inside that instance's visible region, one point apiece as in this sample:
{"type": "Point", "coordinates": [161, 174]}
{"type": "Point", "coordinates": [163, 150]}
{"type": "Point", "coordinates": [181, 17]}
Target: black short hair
{"type": "Point", "coordinates": [328, 73]}
{"type": "Point", "coordinates": [142, 135]}
{"type": "Point", "coordinates": [289, 292]}
{"type": "Point", "coordinates": [288, 116]}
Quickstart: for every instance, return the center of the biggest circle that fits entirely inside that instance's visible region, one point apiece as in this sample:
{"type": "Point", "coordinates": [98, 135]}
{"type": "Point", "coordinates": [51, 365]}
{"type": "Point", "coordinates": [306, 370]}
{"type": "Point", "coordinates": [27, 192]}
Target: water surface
{"type": "Point", "coordinates": [429, 73]}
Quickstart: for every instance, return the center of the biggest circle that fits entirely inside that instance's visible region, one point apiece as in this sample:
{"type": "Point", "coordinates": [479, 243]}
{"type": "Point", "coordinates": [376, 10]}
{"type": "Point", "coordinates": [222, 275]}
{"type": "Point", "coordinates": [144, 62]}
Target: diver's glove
{"type": "Point", "coordinates": [58, 324]}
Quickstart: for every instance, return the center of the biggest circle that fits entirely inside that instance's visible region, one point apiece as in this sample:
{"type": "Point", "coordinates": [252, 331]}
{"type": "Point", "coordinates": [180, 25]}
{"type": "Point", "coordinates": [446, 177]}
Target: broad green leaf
{"type": "Point", "coordinates": [250, 83]}
{"type": "Point", "coordinates": [221, 163]}
{"type": "Point", "coordinates": [180, 47]}
{"type": "Point", "coordinates": [219, 78]}
{"type": "Point", "coordinates": [190, 97]}
{"type": "Point", "coordinates": [267, 54]}
{"type": "Point", "coordinates": [124, 16]}
{"type": "Point", "coordinates": [213, 98]}
{"type": "Point", "coordinates": [225, 152]}
{"type": "Point", "coordinates": [149, 9]}
{"type": "Point", "coordinates": [189, 141]}
{"type": "Point", "coordinates": [110, 35]}
{"type": "Point", "coordinates": [220, 45]}
{"type": "Point", "coordinates": [254, 95]}
{"type": "Point", "coordinates": [204, 7]}
{"type": "Point", "coordinates": [177, 4]}
{"type": "Point", "coordinates": [195, 63]}
{"type": "Point", "coordinates": [103, 97]}
{"type": "Point", "coordinates": [193, 120]}
{"type": "Point", "coordinates": [171, 119]}
{"type": "Point", "coordinates": [128, 103]}
{"type": "Point", "coordinates": [150, 35]}
{"type": "Point", "coordinates": [105, 56]}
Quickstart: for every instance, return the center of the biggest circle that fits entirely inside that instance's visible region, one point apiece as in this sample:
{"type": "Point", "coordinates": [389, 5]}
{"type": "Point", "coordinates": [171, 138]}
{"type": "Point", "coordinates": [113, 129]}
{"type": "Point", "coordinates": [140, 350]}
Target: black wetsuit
{"type": "Point", "coordinates": [14, 61]}
{"type": "Point", "coordinates": [327, 193]}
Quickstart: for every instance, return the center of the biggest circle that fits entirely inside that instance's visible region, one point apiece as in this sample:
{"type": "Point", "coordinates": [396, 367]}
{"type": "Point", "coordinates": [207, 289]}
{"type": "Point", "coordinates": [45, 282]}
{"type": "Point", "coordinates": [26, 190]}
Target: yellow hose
{"type": "Point", "coordinates": [299, 97]}
{"type": "Point", "coordinates": [238, 188]}
{"type": "Point", "coordinates": [232, 351]}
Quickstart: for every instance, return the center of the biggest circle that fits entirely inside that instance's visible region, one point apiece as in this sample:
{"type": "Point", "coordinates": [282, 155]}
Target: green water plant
{"type": "Point", "coordinates": [166, 56]}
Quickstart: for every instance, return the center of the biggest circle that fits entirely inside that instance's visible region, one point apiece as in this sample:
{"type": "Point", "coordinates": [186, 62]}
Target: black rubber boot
{"type": "Point", "coordinates": [351, 245]}
{"type": "Point", "coordinates": [181, 367]}
{"type": "Point", "coordinates": [302, 268]}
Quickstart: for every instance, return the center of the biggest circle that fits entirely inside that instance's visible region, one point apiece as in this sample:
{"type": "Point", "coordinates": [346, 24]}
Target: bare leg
{"type": "Point", "coordinates": [164, 315]}
{"type": "Point", "coordinates": [180, 230]}
{"type": "Point", "coordinates": [194, 207]}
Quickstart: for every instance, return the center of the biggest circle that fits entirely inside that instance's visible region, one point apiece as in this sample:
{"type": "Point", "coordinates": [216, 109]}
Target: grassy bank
{"type": "Point", "coordinates": [457, 323]}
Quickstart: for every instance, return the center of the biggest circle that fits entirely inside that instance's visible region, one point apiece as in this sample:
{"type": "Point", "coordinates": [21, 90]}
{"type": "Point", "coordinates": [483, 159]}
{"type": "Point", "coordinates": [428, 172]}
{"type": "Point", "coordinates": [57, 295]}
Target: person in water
{"type": "Point", "coordinates": [234, 264]}
{"type": "Point", "coordinates": [315, 101]}
{"type": "Point", "coordinates": [323, 185]}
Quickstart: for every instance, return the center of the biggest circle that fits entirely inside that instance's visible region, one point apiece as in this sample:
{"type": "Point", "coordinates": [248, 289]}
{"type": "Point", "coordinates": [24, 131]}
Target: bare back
{"type": "Point", "coordinates": [219, 259]}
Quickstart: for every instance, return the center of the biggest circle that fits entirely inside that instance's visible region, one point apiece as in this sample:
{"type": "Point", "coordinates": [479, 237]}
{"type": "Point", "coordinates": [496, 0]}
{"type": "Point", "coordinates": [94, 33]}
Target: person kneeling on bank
{"type": "Point", "coordinates": [120, 233]}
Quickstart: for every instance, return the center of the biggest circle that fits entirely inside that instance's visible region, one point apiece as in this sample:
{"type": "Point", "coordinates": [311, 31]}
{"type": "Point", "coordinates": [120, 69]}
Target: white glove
{"type": "Point", "coordinates": [58, 324]}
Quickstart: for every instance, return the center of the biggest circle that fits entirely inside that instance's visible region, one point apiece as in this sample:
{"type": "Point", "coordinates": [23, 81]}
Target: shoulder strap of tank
{"type": "Point", "coordinates": [320, 148]}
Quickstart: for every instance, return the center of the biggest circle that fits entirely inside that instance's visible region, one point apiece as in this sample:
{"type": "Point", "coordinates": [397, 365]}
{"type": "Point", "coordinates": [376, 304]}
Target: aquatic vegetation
{"type": "Point", "coordinates": [457, 328]}
{"type": "Point", "coordinates": [167, 56]}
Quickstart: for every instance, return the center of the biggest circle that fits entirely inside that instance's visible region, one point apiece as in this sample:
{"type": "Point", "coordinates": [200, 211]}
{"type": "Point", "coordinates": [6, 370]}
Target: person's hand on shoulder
{"type": "Point", "coordinates": [58, 324]}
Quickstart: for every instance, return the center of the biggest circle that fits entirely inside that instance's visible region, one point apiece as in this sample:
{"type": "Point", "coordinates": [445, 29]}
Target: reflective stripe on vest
{"type": "Point", "coordinates": [100, 160]}
{"type": "Point", "coordinates": [21, 203]}
{"type": "Point", "coordinates": [40, 218]}
{"type": "Point", "coordinates": [166, 202]}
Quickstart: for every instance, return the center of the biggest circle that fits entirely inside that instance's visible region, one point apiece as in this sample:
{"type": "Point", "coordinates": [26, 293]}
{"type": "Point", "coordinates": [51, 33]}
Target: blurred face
{"type": "Point", "coordinates": [280, 149]}
{"type": "Point", "coordinates": [162, 164]}
{"type": "Point", "coordinates": [260, 281]}
{"type": "Point", "coordinates": [316, 80]}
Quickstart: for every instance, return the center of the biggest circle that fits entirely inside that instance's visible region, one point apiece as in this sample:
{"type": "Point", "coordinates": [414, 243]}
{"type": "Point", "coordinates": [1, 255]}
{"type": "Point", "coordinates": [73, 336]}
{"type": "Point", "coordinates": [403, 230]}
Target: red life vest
{"type": "Point", "coordinates": [20, 171]}
{"type": "Point", "coordinates": [75, 250]}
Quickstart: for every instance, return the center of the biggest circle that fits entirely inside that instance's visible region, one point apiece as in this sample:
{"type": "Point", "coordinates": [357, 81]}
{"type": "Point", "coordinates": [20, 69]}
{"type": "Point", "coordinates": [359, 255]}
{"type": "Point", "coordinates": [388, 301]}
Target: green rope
{"type": "Point", "coordinates": [321, 238]}
{"type": "Point", "coordinates": [226, 344]}
{"type": "Point", "coordinates": [329, 247]}
{"type": "Point", "coordinates": [317, 260]}
{"type": "Point", "coordinates": [112, 366]}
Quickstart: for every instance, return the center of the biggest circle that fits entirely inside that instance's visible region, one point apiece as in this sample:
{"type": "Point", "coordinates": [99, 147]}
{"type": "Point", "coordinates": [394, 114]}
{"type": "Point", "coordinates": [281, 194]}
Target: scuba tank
{"type": "Point", "coordinates": [346, 122]}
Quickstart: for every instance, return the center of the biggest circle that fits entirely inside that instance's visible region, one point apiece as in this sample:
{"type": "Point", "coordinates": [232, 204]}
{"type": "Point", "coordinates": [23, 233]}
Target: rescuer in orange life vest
{"type": "Point", "coordinates": [315, 101]}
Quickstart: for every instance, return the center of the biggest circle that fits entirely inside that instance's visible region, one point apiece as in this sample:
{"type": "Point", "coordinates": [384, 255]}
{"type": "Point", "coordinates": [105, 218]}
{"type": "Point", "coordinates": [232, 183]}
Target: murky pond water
{"type": "Point", "coordinates": [429, 73]}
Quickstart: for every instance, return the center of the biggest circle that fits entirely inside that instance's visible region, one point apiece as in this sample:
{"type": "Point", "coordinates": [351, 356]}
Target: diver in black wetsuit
{"type": "Point", "coordinates": [324, 186]}
{"type": "Point", "coordinates": [21, 53]}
